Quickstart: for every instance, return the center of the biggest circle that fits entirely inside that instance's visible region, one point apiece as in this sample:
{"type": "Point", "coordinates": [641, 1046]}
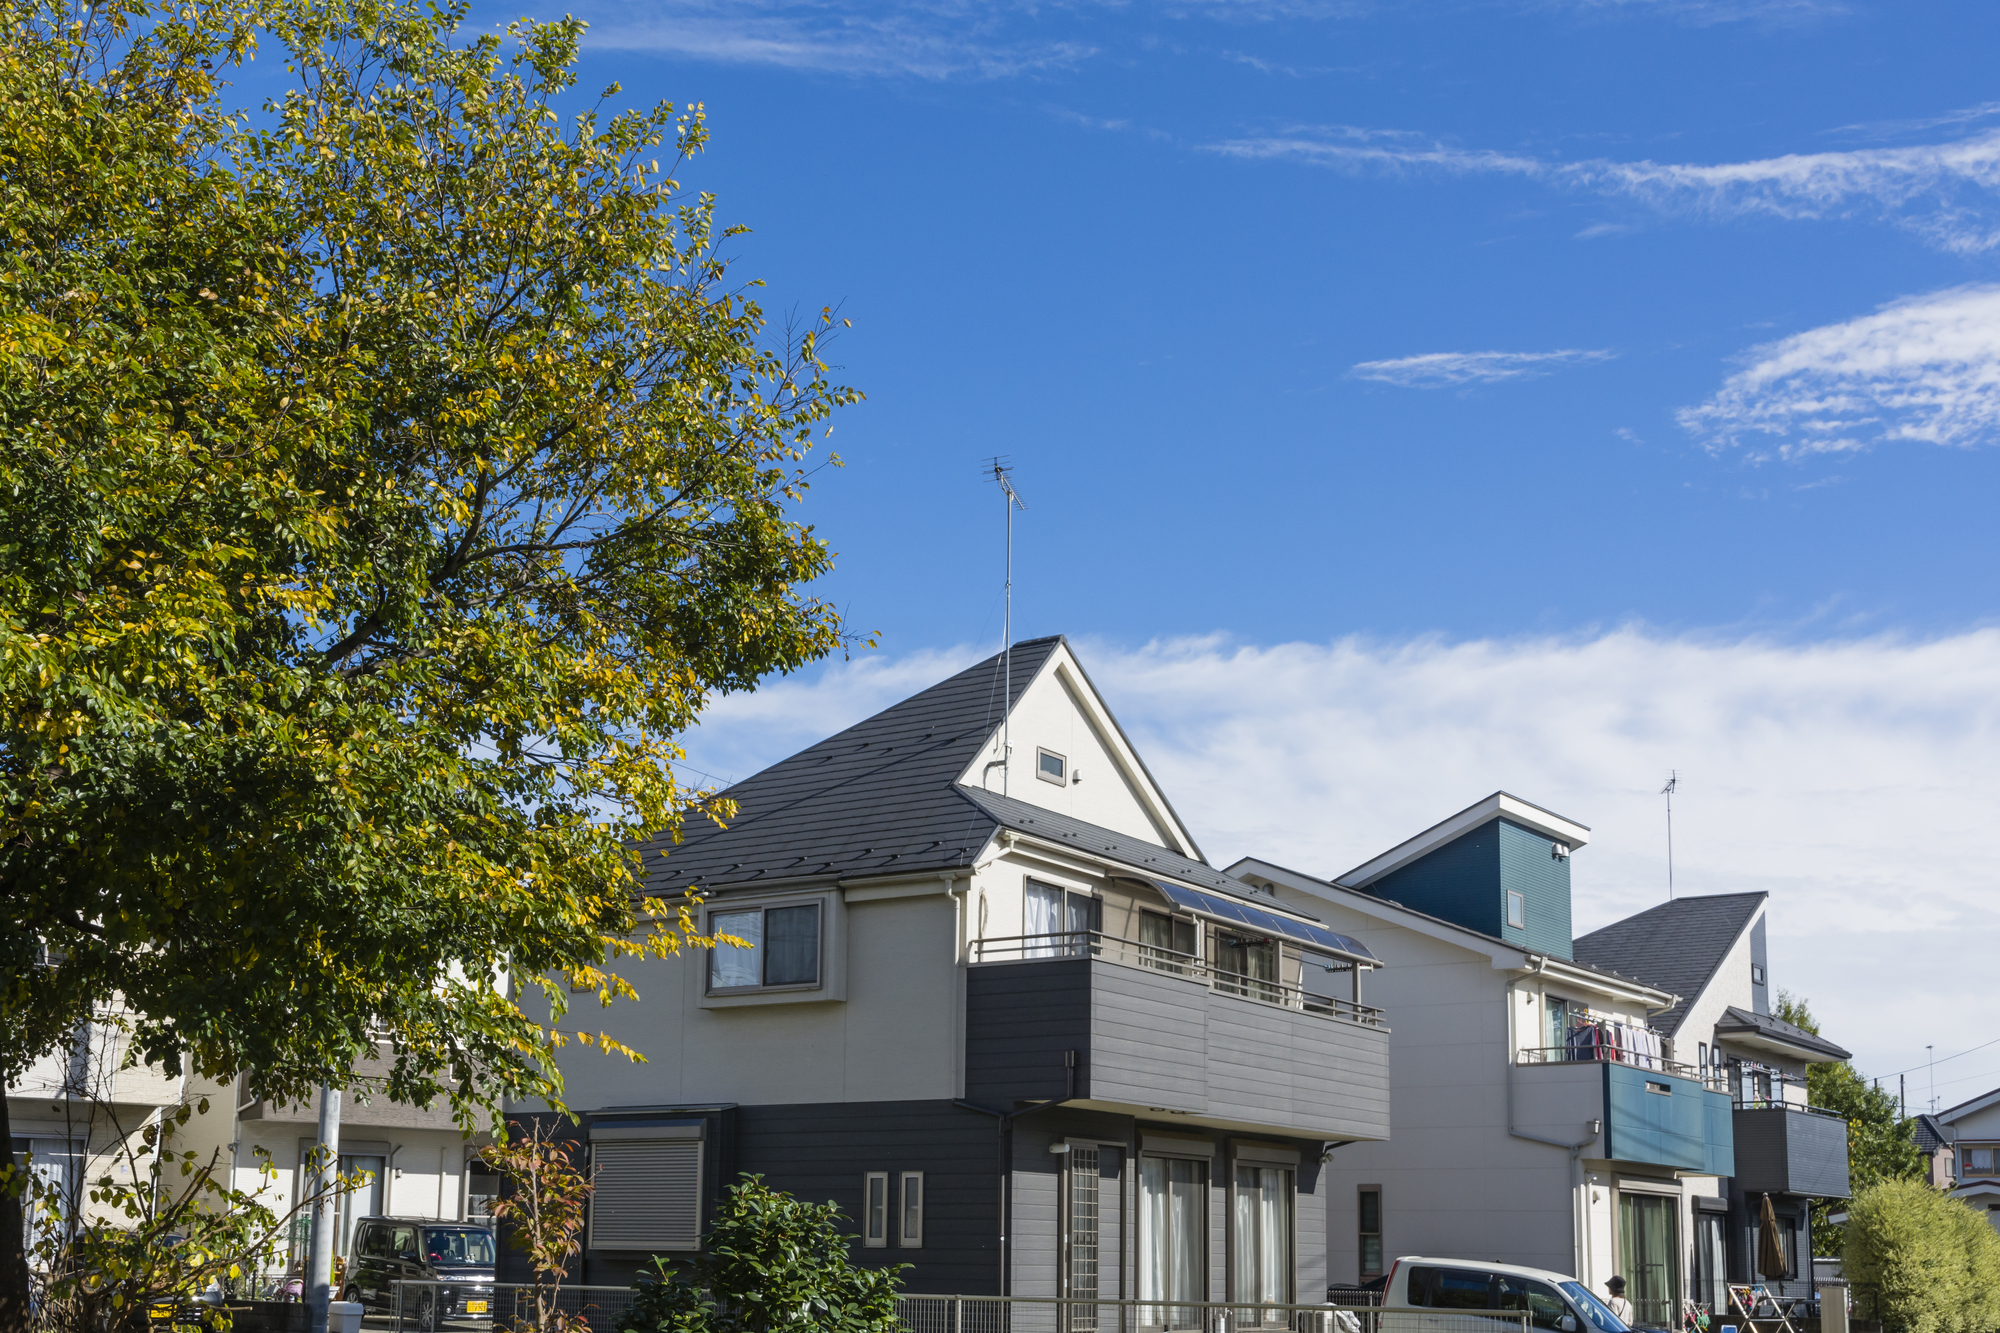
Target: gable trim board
{"type": "Point", "coordinates": [1951, 1115]}
{"type": "Point", "coordinates": [1497, 806]}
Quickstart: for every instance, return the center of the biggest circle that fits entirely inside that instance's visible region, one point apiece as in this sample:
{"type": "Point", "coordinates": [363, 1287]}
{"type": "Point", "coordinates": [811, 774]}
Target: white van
{"type": "Point", "coordinates": [1476, 1296]}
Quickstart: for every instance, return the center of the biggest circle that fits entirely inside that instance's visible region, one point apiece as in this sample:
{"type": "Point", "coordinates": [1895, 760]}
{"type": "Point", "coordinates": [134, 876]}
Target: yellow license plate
{"type": "Point", "coordinates": [475, 1307]}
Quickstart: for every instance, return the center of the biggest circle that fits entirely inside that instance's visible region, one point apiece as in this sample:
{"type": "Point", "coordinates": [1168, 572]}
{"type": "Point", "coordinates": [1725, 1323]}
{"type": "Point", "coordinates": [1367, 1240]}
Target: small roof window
{"type": "Point", "coordinates": [1051, 767]}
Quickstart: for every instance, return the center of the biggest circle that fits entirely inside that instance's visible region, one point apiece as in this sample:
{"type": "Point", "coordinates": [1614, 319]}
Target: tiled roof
{"type": "Point", "coordinates": [1677, 946]}
{"type": "Point", "coordinates": [1929, 1133]}
{"type": "Point", "coordinates": [878, 798]}
{"type": "Point", "coordinates": [1773, 1028]}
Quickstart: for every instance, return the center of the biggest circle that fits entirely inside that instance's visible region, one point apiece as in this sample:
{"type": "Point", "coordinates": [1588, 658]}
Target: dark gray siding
{"type": "Point", "coordinates": [1791, 1152]}
{"type": "Point", "coordinates": [1150, 1039]}
{"type": "Point", "coordinates": [1312, 1276]}
{"type": "Point", "coordinates": [1760, 996]}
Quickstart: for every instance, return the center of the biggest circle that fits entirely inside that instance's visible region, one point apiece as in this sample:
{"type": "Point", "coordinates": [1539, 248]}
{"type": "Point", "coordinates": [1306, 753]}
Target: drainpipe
{"type": "Point", "coordinates": [1003, 1144]}
{"type": "Point", "coordinates": [1595, 1128]}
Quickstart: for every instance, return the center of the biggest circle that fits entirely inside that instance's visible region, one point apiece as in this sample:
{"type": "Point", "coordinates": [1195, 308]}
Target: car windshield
{"type": "Point", "coordinates": [458, 1246]}
{"type": "Point", "coordinates": [1593, 1309]}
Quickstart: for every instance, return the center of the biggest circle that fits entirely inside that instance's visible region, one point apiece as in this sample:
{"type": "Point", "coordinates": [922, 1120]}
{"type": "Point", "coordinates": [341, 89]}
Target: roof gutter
{"type": "Point", "coordinates": [1015, 838]}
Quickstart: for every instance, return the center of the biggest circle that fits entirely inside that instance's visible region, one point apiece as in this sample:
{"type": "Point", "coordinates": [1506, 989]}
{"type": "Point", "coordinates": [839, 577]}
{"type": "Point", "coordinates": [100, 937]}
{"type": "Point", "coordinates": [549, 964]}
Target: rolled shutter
{"type": "Point", "coordinates": [648, 1195]}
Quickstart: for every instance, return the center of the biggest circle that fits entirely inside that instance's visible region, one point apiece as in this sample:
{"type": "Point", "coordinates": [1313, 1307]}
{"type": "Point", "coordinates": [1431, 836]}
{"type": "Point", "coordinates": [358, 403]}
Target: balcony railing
{"type": "Point", "coordinates": [1776, 1104]}
{"type": "Point", "coordinates": [1554, 1055]}
{"type": "Point", "coordinates": [1131, 953]}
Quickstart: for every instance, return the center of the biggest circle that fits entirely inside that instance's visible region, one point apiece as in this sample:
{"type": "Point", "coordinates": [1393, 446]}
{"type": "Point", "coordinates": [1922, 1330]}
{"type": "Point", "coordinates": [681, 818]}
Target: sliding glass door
{"type": "Point", "coordinates": [1260, 1232]}
{"type": "Point", "coordinates": [1649, 1253]}
{"type": "Point", "coordinates": [1173, 1241]}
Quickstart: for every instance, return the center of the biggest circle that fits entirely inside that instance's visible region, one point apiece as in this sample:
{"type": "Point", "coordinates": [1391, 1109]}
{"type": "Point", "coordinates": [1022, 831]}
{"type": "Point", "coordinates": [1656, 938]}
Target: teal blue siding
{"type": "Point", "coordinates": [1529, 866]}
{"type": "Point", "coordinates": [1677, 1128]}
{"type": "Point", "coordinates": [1459, 882]}
{"type": "Point", "coordinates": [1721, 1126]}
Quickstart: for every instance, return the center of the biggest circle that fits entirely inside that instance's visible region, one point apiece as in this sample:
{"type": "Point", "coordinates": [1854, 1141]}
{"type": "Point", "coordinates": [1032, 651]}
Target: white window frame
{"type": "Point", "coordinates": [905, 1237]}
{"type": "Point", "coordinates": [762, 988]}
{"type": "Point", "coordinates": [1517, 909]}
{"type": "Point", "coordinates": [1062, 759]}
{"type": "Point", "coordinates": [870, 1237]}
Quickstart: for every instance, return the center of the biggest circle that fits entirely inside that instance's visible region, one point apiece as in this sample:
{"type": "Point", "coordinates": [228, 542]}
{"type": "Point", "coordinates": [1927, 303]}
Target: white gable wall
{"type": "Point", "coordinates": [1060, 712]}
{"type": "Point", "coordinates": [1730, 986]}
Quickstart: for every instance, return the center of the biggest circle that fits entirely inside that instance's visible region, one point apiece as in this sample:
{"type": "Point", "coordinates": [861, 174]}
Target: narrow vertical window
{"type": "Point", "coordinates": [1517, 910]}
{"type": "Point", "coordinates": [875, 1211]}
{"type": "Point", "coordinates": [1260, 1261]}
{"type": "Point", "coordinates": [910, 1232]}
{"type": "Point", "coordinates": [1369, 1227]}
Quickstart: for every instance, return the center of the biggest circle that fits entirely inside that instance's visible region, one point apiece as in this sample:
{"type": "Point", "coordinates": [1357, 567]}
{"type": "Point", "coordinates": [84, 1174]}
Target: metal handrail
{"type": "Point", "coordinates": [924, 1313]}
{"type": "Point", "coordinates": [1556, 1055]}
{"type": "Point", "coordinates": [1132, 953]}
{"type": "Point", "coordinates": [1778, 1104]}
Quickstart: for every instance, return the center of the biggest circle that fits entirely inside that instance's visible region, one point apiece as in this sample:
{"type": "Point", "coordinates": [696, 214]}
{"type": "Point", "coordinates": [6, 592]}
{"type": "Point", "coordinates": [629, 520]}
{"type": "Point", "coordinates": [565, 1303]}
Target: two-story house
{"type": "Point", "coordinates": [1537, 1116]}
{"type": "Point", "coordinates": [1710, 951]}
{"type": "Point", "coordinates": [998, 1007]}
{"type": "Point", "coordinates": [1973, 1131]}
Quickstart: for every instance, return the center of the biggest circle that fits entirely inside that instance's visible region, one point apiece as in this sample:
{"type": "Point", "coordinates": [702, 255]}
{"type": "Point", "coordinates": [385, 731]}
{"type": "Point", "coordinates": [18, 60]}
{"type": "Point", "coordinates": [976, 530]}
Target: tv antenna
{"type": "Point", "coordinates": [1003, 476]}
{"type": "Point", "coordinates": [1673, 785]}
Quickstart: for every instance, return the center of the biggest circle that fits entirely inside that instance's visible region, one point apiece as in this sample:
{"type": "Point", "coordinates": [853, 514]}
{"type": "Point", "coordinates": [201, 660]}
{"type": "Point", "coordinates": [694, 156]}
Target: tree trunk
{"type": "Point", "coordinates": [13, 1228]}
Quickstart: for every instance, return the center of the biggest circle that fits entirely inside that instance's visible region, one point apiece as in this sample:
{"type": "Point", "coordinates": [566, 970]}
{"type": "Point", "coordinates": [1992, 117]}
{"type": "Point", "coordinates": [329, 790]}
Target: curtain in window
{"type": "Point", "coordinates": [791, 945]}
{"type": "Point", "coordinates": [1041, 919]}
{"type": "Point", "coordinates": [1651, 1254]}
{"type": "Point", "coordinates": [729, 965]}
{"type": "Point", "coordinates": [1259, 1267]}
{"type": "Point", "coordinates": [1173, 1214]}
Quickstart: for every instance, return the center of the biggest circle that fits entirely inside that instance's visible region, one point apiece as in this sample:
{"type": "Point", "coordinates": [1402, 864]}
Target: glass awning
{"type": "Point", "coordinates": [1237, 913]}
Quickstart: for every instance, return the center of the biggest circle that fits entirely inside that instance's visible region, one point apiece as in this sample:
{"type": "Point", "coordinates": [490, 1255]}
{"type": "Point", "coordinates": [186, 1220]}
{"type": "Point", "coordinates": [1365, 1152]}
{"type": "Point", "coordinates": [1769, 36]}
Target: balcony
{"type": "Point", "coordinates": [1143, 1030]}
{"type": "Point", "coordinates": [1786, 1148]}
{"type": "Point", "coordinates": [1654, 1112]}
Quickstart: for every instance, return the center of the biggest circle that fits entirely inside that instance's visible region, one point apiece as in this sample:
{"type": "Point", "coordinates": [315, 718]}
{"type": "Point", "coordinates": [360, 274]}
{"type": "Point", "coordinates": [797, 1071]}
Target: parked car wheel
{"type": "Point", "coordinates": [427, 1312]}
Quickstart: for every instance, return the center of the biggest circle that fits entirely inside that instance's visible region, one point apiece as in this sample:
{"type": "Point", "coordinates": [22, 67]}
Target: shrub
{"type": "Point", "coordinates": [773, 1264]}
{"type": "Point", "coordinates": [1927, 1263]}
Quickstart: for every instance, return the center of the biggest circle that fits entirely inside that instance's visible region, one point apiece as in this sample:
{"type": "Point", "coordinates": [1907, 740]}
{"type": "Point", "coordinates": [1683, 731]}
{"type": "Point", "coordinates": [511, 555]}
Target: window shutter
{"type": "Point", "coordinates": [648, 1195]}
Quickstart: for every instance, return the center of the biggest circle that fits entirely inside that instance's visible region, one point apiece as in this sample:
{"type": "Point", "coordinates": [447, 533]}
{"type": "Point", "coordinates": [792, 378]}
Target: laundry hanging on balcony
{"type": "Point", "coordinates": [1602, 1039]}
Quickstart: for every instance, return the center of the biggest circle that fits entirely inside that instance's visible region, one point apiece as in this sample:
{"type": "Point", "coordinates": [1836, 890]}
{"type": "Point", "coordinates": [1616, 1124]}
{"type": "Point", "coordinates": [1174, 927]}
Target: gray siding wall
{"type": "Point", "coordinates": [1760, 996]}
{"type": "Point", "coordinates": [1153, 1039]}
{"type": "Point", "coordinates": [1791, 1152]}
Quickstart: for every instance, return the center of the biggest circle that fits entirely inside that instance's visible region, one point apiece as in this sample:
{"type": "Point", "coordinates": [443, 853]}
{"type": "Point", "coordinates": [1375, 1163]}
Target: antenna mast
{"type": "Point", "coordinates": [1673, 782]}
{"type": "Point", "coordinates": [1003, 476]}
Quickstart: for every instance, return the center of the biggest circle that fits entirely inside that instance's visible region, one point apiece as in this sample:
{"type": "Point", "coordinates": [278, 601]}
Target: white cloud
{"type": "Point", "coordinates": [1852, 781]}
{"type": "Point", "coordinates": [1434, 370]}
{"type": "Point", "coordinates": [1942, 192]}
{"type": "Point", "coordinates": [1926, 368]}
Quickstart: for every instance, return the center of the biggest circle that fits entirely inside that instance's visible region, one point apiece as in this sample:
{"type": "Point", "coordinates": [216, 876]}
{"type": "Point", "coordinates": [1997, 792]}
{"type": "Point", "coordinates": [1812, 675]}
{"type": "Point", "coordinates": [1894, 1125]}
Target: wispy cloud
{"type": "Point", "coordinates": [1440, 370]}
{"type": "Point", "coordinates": [1840, 777]}
{"type": "Point", "coordinates": [918, 41]}
{"type": "Point", "coordinates": [1944, 192]}
{"type": "Point", "coordinates": [1705, 13]}
{"type": "Point", "coordinates": [1926, 368]}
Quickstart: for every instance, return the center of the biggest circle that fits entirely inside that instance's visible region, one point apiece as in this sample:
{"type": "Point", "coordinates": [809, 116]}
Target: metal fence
{"type": "Point", "coordinates": [453, 1307]}
{"type": "Point", "coordinates": [1029, 1314]}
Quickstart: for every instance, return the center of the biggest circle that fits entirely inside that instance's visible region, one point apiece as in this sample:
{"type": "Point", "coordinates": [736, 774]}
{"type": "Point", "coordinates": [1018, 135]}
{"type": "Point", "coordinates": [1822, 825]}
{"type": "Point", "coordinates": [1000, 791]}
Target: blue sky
{"type": "Point", "coordinates": [1416, 399]}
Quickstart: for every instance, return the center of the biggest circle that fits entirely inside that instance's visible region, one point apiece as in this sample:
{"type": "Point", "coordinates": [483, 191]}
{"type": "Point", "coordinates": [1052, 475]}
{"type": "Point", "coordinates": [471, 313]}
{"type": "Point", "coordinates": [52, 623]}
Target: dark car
{"type": "Point", "coordinates": [449, 1266]}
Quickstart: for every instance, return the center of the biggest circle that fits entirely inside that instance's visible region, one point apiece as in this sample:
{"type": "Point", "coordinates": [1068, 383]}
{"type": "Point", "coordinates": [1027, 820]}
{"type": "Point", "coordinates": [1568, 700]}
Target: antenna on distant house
{"type": "Point", "coordinates": [1003, 476]}
{"type": "Point", "coordinates": [1673, 784]}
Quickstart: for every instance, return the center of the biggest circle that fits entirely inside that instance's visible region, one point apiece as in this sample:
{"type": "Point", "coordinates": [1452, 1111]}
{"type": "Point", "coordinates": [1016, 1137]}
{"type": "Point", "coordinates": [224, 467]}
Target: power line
{"type": "Point", "coordinates": [1927, 1064]}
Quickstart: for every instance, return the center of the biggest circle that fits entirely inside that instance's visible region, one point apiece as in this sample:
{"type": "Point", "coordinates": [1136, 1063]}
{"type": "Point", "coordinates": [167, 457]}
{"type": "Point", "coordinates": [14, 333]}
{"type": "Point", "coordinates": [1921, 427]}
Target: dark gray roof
{"type": "Point", "coordinates": [1143, 856]}
{"type": "Point", "coordinates": [878, 798]}
{"type": "Point", "coordinates": [1677, 946]}
{"type": "Point", "coordinates": [1771, 1028]}
{"type": "Point", "coordinates": [1929, 1133]}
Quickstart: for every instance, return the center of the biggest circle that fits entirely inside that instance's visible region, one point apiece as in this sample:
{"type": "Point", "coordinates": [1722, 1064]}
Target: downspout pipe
{"type": "Point", "coordinates": [1595, 1130]}
{"type": "Point", "coordinates": [1003, 1144]}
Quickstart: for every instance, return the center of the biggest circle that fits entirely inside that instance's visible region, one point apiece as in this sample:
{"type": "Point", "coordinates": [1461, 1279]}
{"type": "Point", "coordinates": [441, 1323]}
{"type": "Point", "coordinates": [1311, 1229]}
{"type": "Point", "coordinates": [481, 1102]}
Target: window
{"type": "Point", "coordinates": [1173, 1247]}
{"type": "Point", "coordinates": [1369, 1225]}
{"type": "Point", "coordinates": [374, 1242]}
{"type": "Point", "coordinates": [1517, 910]}
{"type": "Point", "coordinates": [1756, 974]}
{"type": "Point", "coordinates": [780, 947]}
{"type": "Point", "coordinates": [1246, 966]}
{"type": "Point", "coordinates": [910, 1231]}
{"type": "Point", "coordinates": [1704, 1059]}
{"type": "Point", "coordinates": [1451, 1288]}
{"type": "Point", "coordinates": [1080, 1273]}
{"type": "Point", "coordinates": [482, 1188]}
{"type": "Point", "coordinates": [459, 1246]}
{"type": "Point", "coordinates": [1260, 1265]}
{"type": "Point", "coordinates": [1979, 1161]}
{"type": "Point", "coordinates": [1545, 1309]}
{"type": "Point", "coordinates": [1058, 922]}
{"type": "Point", "coordinates": [648, 1192]}
{"type": "Point", "coordinates": [875, 1210]}
{"type": "Point", "coordinates": [1650, 1256]}
{"type": "Point", "coordinates": [1166, 942]}
{"type": "Point", "coordinates": [1556, 1012]}
{"type": "Point", "coordinates": [1051, 767]}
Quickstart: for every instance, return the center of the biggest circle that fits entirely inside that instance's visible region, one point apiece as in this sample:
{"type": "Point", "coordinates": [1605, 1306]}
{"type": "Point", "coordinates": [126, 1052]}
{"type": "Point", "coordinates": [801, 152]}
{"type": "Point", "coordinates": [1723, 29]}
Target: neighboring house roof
{"type": "Point", "coordinates": [1767, 1029]}
{"type": "Point", "coordinates": [878, 798]}
{"type": "Point", "coordinates": [1500, 805]}
{"type": "Point", "coordinates": [1951, 1114]}
{"type": "Point", "coordinates": [1363, 901]}
{"type": "Point", "coordinates": [1929, 1133]}
{"type": "Point", "coordinates": [1677, 946]}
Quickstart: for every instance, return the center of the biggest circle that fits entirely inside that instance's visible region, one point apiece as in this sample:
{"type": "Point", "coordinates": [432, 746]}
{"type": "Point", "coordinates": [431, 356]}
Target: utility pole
{"type": "Point", "coordinates": [1930, 1053]}
{"type": "Point", "coordinates": [1903, 1096]}
{"type": "Point", "coordinates": [319, 1273]}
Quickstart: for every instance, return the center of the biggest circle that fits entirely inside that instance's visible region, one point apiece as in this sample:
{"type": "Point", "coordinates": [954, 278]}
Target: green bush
{"type": "Point", "coordinates": [1923, 1262]}
{"type": "Point", "coordinates": [773, 1264]}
